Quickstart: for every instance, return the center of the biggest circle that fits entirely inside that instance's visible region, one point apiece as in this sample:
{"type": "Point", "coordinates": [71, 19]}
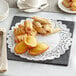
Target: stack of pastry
{"type": "Point", "coordinates": [70, 4]}
{"type": "Point", "coordinates": [39, 25]}
{"type": "Point", "coordinates": [25, 35]}
{"type": "Point", "coordinates": [43, 26]}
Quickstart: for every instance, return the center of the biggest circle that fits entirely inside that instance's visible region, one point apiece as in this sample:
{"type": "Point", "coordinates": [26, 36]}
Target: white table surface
{"type": "Point", "coordinates": [16, 68]}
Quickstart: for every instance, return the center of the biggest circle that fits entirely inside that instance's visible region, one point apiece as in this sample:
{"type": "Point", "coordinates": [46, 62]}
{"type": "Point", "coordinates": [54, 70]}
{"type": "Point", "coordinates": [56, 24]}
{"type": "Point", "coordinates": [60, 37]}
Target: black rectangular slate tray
{"type": "Point", "coordinates": [63, 60]}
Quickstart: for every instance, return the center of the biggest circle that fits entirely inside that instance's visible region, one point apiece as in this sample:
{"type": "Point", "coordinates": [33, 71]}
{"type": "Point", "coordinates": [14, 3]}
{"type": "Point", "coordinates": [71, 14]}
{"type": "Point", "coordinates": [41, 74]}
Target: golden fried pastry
{"type": "Point", "coordinates": [19, 31]}
{"type": "Point", "coordinates": [19, 38]}
{"type": "Point", "coordinates": [37, 24]}
{"type": "Point", "coordinates": [30, 41]}
{"type": "Point", "coordinates": [21, 26]}
{"type": "Point", "coordinates": [39, 49]}
{"type": "Point", "coordinates": [55, 30]}
{"type": "Point", "coordinates": [33, 32]}
{"type": "Point", "coordinates": [28, 26]}
{"type": "Point", "coordinates": [70, 4]}
{"type": "Point", "coordinates": [73, 0]}
{"type": "Point", "coordinates": [69, 0]}
{"type": "Point", "coordinates": [21, 48]}
{"type": "Point", "coordinates": [43, 29]}
{"type": "Point", "coordinates": [66, 3]}
{"type": "Point", "coordinates": [73, 6]}
{"type": "Point", "coordinates": [40, 30]}
{"type": "Point", "coordinates": [41, 20]}
{"type": "Point", "coordinates": [47, 28]}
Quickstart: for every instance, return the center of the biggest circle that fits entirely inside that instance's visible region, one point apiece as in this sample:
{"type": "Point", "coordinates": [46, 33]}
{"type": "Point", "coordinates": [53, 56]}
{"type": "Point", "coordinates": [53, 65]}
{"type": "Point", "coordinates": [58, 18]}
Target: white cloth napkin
{"type": "Point", "coordinates": [3, 51]}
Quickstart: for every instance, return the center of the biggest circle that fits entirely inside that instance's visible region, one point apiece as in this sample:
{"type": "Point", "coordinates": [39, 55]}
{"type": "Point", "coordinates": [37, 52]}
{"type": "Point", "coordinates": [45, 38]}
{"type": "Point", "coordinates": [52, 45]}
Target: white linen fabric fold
{"type": "Point", "coordinates": [3, 51]}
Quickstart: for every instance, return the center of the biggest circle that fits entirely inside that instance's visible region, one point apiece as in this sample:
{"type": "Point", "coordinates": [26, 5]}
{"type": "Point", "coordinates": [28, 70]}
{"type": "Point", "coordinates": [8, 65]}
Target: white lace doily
{"type": "Point", "coordinates": [58, 43]}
